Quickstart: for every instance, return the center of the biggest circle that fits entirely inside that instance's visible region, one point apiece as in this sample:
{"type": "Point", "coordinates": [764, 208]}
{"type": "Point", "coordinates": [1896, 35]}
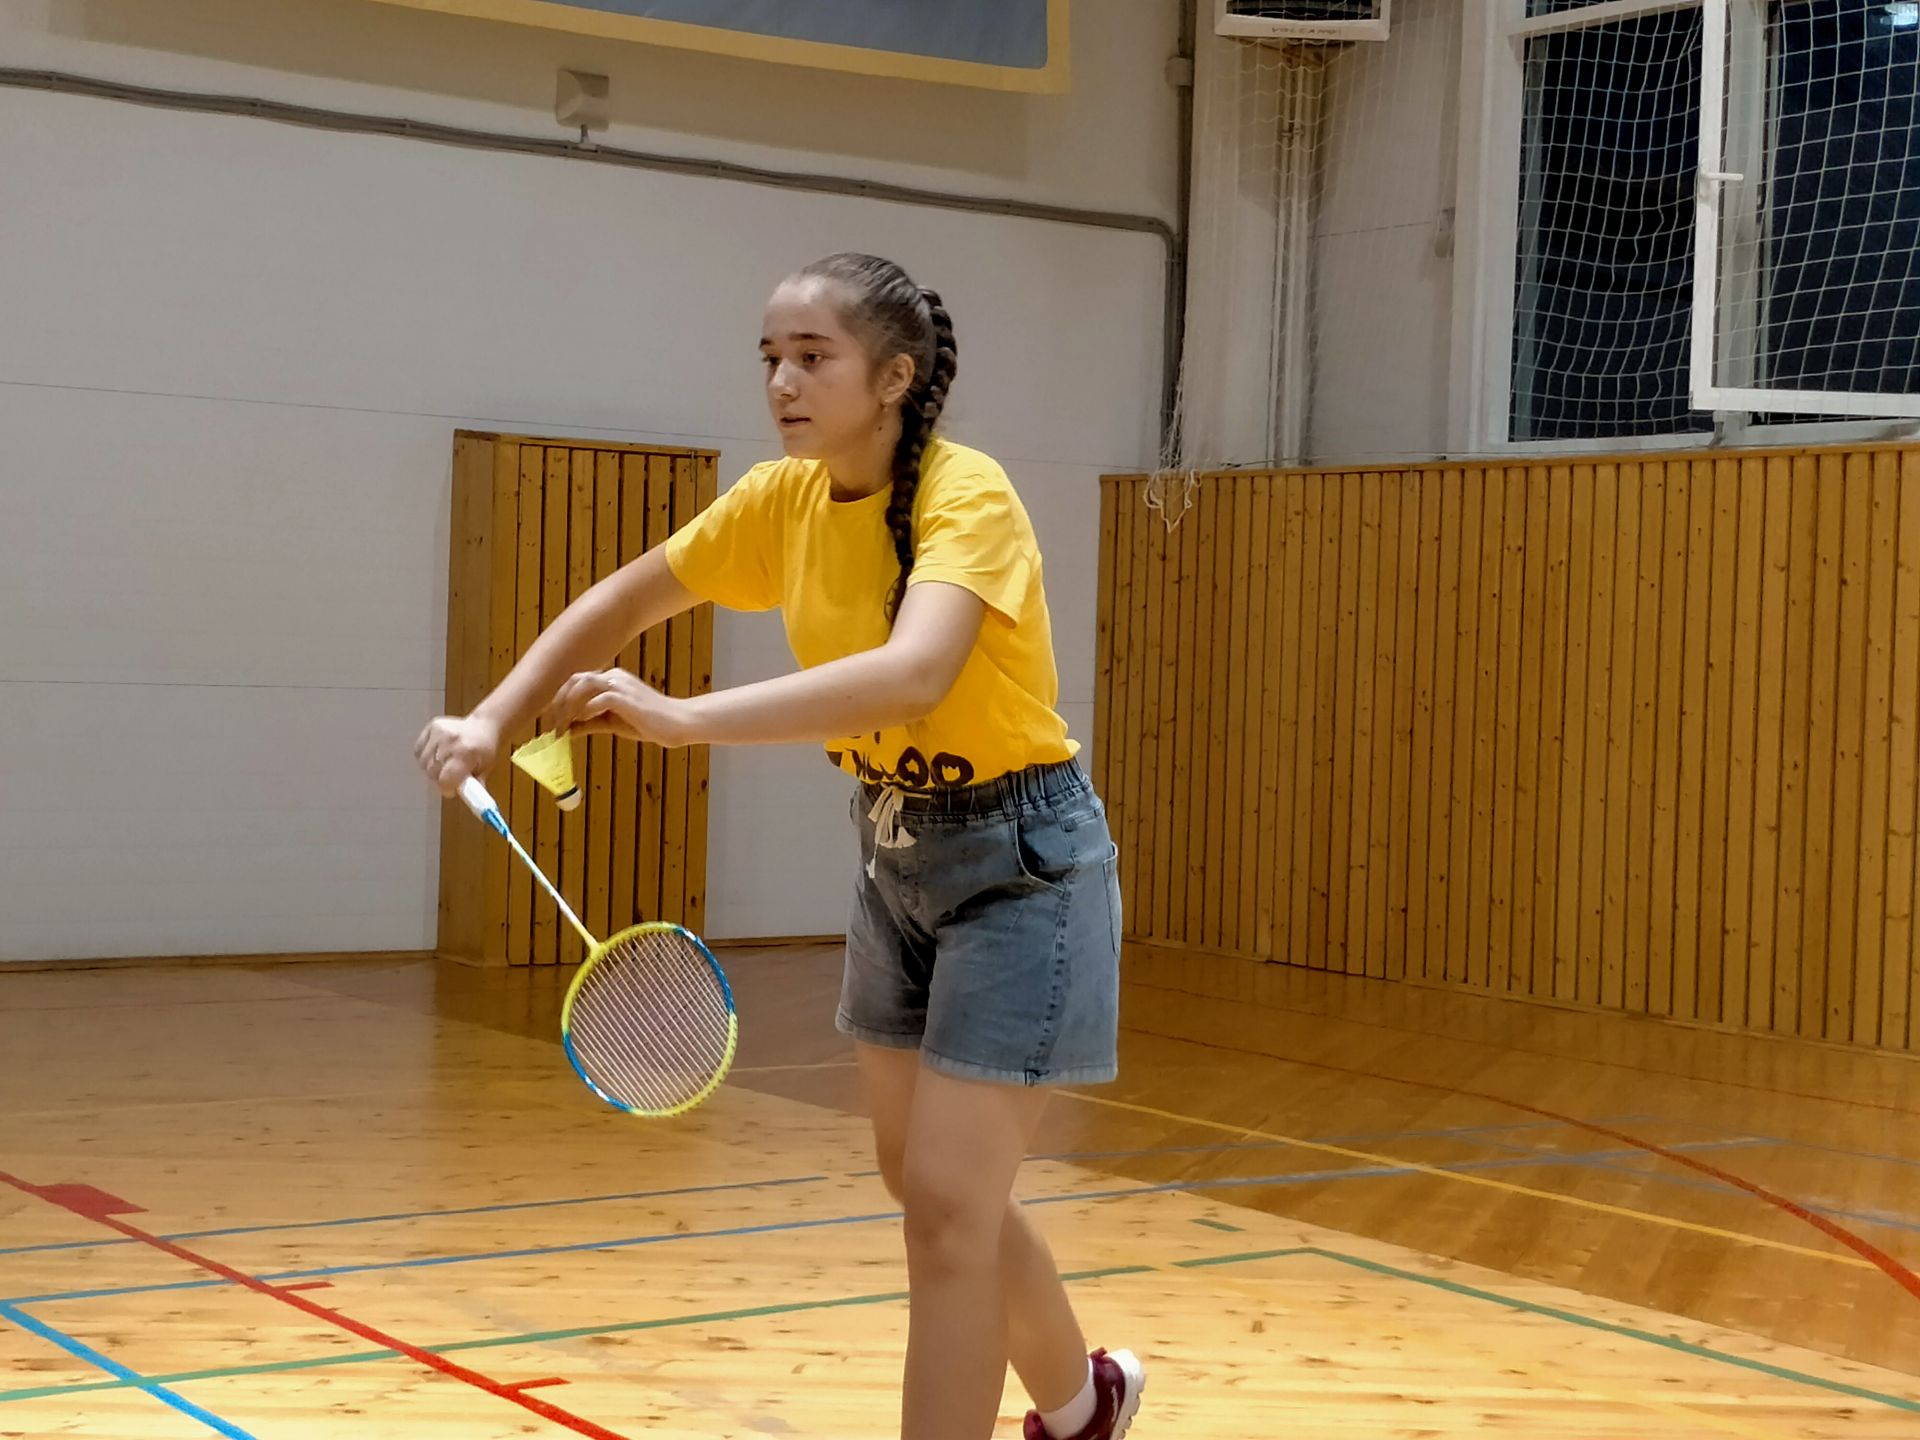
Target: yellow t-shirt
{"type": "Point", "coordinates": [779, 538]}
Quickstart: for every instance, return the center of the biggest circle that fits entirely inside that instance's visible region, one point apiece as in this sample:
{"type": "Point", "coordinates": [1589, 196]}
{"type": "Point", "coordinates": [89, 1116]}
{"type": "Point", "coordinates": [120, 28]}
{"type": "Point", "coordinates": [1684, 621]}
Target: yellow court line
{"type": "Point", "coordinates": [797, 1065]}
{"type": "Point", "coordinates": [1485, 1181]}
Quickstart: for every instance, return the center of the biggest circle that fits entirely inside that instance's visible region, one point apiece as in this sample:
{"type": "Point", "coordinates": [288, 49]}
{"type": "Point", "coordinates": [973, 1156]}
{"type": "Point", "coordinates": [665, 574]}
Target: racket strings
{"type": "Point", "coordinates": [651, 1022]}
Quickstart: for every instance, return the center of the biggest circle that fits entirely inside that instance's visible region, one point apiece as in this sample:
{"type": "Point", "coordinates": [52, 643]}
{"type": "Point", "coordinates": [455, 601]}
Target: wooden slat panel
{"type": "Point", "coordinates": [1714, 842]}
{"type": "Point", "coordinates": [1816, 887]}
{"type": "Point", "coordinates": [1155, 788]}
{"type": "Point", "coordinates": [678, 682]}
{"type": "Point", "coordinates": [1187, 853]}
{"type": "Point", "coordinates": [1142, 691]}
{"type": "Point", "coordinates": [1326, 723]}
{"type": "Point", "coordinates": [1880, 543]}
{"type": "Point", "coordinates": [1903, 855]}
{"type": "Point", "coordinates": [1642, 734]}
{"type": "Point", "coordinates": [1623, 711]}
{"type": "Point", "coordinates": [1567, 808]}
{"type": "Point", "coordinates": [628, 802]}
{"type": "Point", "coordinates": [1237, 787]}
{"type": "Point", "coordinates": [1477, 901]}
{"type": "Point", "coordinates": [526, 627]}
{"type": "Point", "coordinates": [1287, 522]}
{"type": "Point", "coordinates": [1402, 790]}
{"type": "Point", "coordinates": [1648, 690]}
{"type": "Point", "coordinates": [649, 899]}
{"type": "Point", "coordinates": [1787, 594]}
{"type": "Point", "coordinates": [1596, 805]}
{"type": "Point", "coordinates": [1210, 729]}
{"type": "Point", "coordinates": [1104, 648]}
{"type": "Point", "coordinates": [1447, 687]}
{"type": "Point", "coordinates": [1543, 681]}
{"type": "Point", "coordinates": [1749, 478]}
{"type": "Point", "coordinates": [1845, 840]}
{"type": "Point", "coordinates": [1336, 778]}
{"type": "Point", "coordinates": [1120, 736]}
{"type": "Point", "coordinates": [1387, 800]}
{"type": "Point", "coordinates": [1184, 855]}
{"type": "Point", "coordinates": [551, 934]}
{"type": "Point", "coordinates": [1420, 752]}
{"type": "Point", "coordinates": [1689, 796]}
{"type": "Point", "coordinates": [574, 824]}
{"type": "Point", "coordinates": [1670, 689]}
{"type": "Point", "coordinates": [600, 749]}
{"type": "Point", "coordinates": [699, 757]}
{"type": "Point", "coordinates": [1256, 838]}
{"type": "Point", "coordinates": [1506, 940]}
{"type": "Point", "coordinates": [1353, 756]}
{"type": "Point", "coordinates": [497, 863]}
{"type": "Point", "coordinates": [1301, 938]}
{"type": "Point", "coordinates": [462, 912]}
{"type": "Point", "coordinates": [1529, 511]}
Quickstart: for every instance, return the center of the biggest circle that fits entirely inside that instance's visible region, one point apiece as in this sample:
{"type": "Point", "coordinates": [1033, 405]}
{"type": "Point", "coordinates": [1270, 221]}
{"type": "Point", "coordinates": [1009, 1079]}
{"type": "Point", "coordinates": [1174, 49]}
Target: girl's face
{"type": "Point", "coordinates": [826, 395]}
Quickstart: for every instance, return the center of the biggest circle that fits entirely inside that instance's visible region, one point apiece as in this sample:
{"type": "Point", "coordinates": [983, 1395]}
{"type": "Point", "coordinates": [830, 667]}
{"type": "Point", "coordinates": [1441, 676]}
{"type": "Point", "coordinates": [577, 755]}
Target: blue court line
{"type": "Point", "coordinates": [1811, 1145]}
{"type": "Point", "coordinates": [14, 1315]}
{"type": "Point", "coordinates": [424, 1214]}
{"type": "Point", "coordinates": [731, 1232]}
{"type": "Point", "coordinates": [403, 1215]}
{"type": "Point", "coordinates": [1890, 1222]}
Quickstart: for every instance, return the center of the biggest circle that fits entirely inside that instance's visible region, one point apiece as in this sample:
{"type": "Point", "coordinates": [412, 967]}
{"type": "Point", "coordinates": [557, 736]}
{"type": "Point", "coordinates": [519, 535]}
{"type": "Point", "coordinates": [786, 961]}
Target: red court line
{"type": "Point", "coordinates": [74, 1200]}
{"type": "Point", "coordinates": [305, 1285]}
{"type": "Point", "coordinates": [1905, 1278]}
{"type": "Point", "coordinates": [539, 1384]}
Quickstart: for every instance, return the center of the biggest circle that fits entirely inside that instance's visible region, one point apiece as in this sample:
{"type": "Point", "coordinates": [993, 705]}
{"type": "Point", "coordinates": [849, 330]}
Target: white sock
{"type": "Point", "coordinates": [1074, 1416]}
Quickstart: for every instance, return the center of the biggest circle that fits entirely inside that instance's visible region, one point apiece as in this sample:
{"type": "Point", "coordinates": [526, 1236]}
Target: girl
{"type": "Point", "coordinates": [982, 949]}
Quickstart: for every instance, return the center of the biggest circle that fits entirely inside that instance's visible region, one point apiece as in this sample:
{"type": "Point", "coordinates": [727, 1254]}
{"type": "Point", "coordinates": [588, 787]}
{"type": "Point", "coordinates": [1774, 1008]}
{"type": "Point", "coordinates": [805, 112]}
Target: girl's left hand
{"type": "Point", "coordinates": [618, 702]}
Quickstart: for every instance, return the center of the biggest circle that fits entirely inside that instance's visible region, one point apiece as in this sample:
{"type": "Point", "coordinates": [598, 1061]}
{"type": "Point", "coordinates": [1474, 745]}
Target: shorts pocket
{"type": "Point", "coordinates": [1044, 850]}
{"type": "Point", "coordinates": [1111, 875]}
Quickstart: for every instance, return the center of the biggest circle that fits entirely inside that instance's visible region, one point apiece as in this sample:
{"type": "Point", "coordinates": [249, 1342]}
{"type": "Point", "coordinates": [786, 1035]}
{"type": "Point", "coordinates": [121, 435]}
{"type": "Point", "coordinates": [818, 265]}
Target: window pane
{"type": "Point", "coordinates": [1605, 266]}
{"type": "Point", "coordinates": [1843, 288]}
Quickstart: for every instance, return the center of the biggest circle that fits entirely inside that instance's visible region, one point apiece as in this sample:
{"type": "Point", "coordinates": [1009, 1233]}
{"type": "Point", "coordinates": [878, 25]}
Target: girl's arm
{"type": "Point", "coordinates": [592, 630]}
{"type": "Point", "coordinates": [902, 680]}
{"type": "Point", "coordinates": [640, 595]}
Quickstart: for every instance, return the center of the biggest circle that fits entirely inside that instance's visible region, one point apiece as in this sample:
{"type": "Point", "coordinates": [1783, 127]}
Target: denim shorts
{"type": "Point", "coordinates": [991, 941]}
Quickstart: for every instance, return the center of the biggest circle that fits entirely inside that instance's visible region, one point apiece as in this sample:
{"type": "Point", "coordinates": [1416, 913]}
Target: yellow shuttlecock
{"type": "Point", "coordinates": [549, 760]}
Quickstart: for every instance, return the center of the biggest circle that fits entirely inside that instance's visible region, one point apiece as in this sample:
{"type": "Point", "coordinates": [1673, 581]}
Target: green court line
{"type": "Point", "coordinates": [1221, 1225]}
{"type": "Point", "coordinates": [1571, 1317]}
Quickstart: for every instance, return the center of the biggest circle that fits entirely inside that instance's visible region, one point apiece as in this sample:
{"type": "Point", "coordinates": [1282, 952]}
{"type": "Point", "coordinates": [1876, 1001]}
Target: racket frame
{"type": "Point", "coordinates": [599, 953]}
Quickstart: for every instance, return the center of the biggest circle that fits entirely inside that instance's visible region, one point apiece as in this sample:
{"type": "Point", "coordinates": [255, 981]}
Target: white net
{"type": "Point", "coordinates": [1323, 185]}
{"type": "Point", "coordinates": [1817, 301]}
{"type": "Point", "coordinates": [1603, 285]}
{"type": "Point", "coordinates": [1337, 314]}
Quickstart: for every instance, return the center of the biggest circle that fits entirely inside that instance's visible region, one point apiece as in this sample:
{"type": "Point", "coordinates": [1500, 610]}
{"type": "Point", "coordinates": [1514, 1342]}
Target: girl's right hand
{"type": "Point", "coordinates": [454, 747]}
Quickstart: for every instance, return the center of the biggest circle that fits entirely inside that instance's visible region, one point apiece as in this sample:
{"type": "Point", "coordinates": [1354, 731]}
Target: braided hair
{"type": "Point", "coordinates": [894, 316]}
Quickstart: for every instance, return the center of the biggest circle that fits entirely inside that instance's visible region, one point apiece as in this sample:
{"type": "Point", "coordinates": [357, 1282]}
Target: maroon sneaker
{"type": "Point", "coordinates": [1118, 1380]}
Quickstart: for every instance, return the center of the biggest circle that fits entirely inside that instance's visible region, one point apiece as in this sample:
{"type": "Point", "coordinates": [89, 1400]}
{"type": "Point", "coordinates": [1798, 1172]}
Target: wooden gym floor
{"type": "Point", "coordinates": [367, 1199]}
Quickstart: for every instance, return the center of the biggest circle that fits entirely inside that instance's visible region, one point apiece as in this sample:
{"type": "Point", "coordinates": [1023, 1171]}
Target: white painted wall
{"type": "Point", "coordinates": [1383, 287]}
{"type": "Point", "coordinates": [233, 354]}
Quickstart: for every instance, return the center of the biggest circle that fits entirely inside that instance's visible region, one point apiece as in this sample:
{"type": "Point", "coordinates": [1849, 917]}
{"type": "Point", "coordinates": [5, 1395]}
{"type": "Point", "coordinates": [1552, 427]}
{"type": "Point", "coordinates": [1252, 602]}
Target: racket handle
{"type": "Point", "coordinates": [481, 803]}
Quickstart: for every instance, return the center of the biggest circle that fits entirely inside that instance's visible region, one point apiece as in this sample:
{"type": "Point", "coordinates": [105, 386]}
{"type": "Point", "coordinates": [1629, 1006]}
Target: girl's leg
{"type": "Point", "coordinates": [1038, 1327]}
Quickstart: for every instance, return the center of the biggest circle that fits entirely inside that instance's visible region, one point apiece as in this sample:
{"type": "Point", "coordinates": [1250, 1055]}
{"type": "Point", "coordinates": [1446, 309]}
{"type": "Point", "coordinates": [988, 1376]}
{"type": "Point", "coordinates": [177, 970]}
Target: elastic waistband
{"type": "Point", "coordinates": [1006, 795]}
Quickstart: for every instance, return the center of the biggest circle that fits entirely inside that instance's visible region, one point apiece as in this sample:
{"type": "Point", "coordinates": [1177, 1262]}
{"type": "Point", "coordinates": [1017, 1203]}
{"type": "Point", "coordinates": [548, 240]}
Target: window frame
{"type": "Point", "coordinates": [1487, 234]}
